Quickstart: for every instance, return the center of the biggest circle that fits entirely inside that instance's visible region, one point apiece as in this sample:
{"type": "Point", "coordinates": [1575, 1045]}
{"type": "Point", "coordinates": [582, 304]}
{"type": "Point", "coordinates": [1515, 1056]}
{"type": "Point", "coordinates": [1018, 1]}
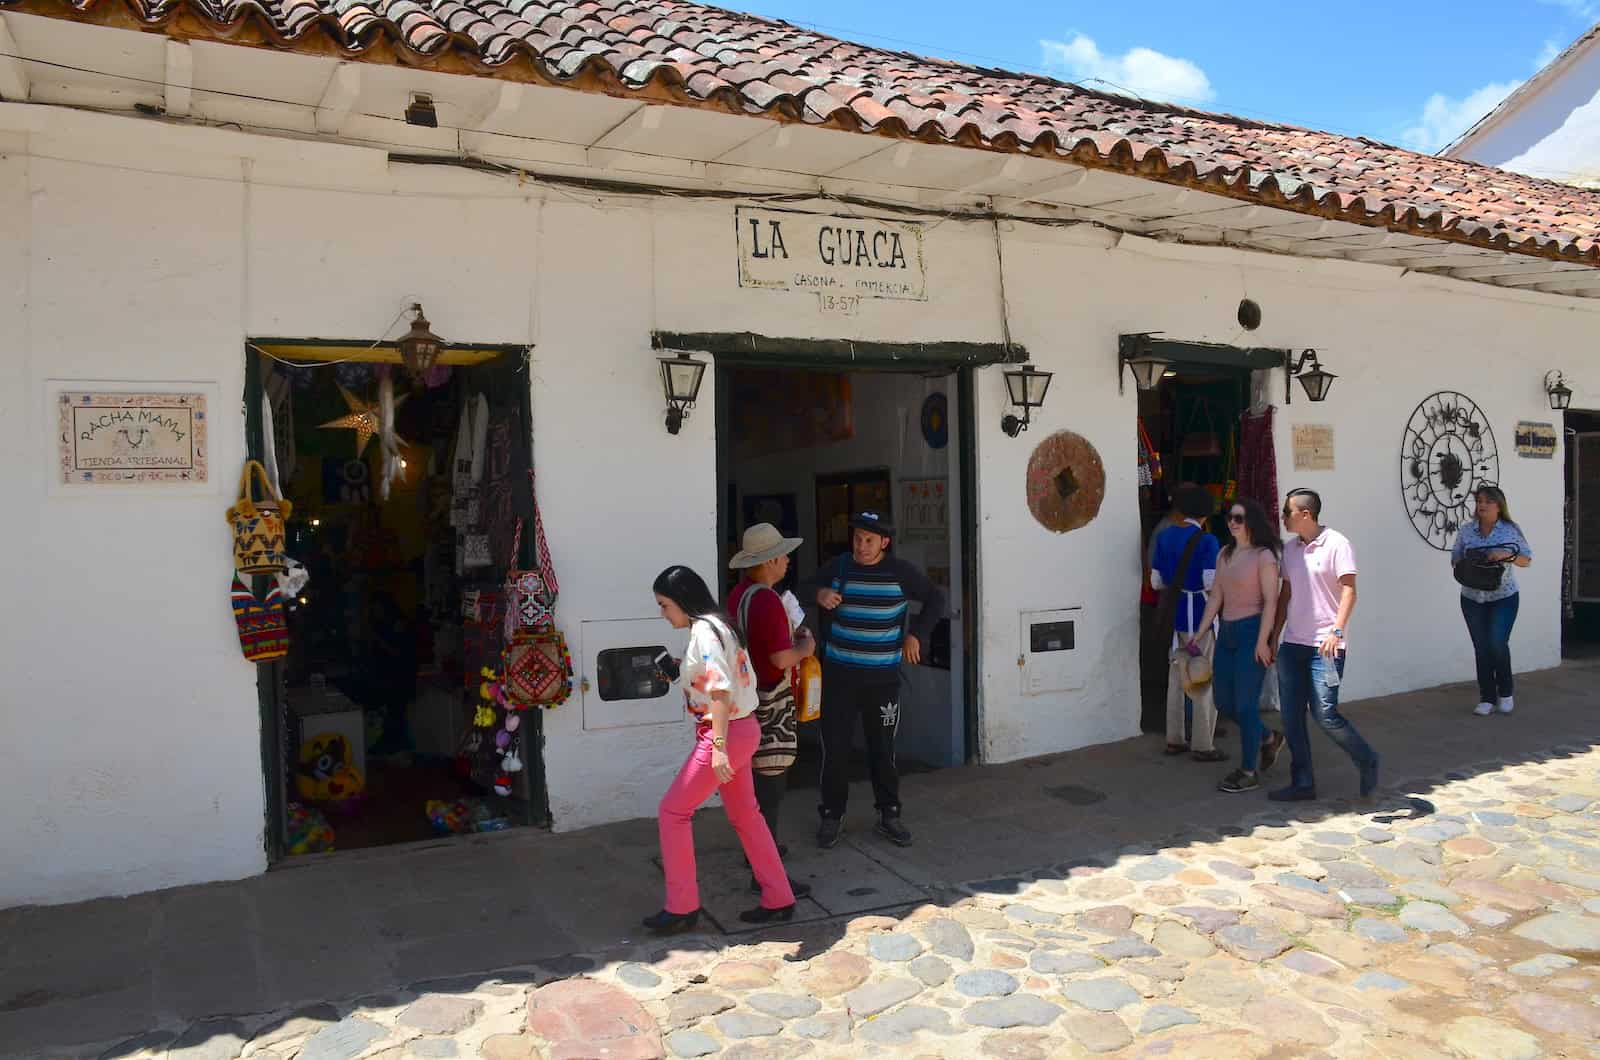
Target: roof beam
{"type": "Point", "coordinates": [982, 175]}
{"type": "Point", "coordinates": [502, 104]}
{"type": "Point", "coordinates": [14, 85]}
{"type": "Point", "coordinates": [775, 140]}
{"type": "Point", "coordinates": [179, 79]}
{"type": "Point", "coordinates": [640, 123]}
{"type": "Point", "coordinates": [340, 95]}
{"type": "Point", "coordinates": [1578, 277]}
{"type": "Point", "coordinates": [1038, 191]}
{"type": "Point", "coordinates": [1502, 270]}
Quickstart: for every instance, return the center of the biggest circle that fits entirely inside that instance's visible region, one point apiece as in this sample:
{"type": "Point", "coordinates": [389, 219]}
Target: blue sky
{"type": "Point", "coordinates": [1410, 72]}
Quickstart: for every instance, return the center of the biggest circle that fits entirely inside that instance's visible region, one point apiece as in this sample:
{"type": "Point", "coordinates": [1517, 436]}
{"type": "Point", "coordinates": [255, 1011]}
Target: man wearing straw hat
{"type": "Point", "coordinates": [776, 644]}
{"type": "Point", "coordinates": [869, 630]}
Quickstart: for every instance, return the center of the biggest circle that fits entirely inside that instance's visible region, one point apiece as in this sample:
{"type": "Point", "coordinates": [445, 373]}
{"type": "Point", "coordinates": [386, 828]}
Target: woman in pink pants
{"type": "Point", "coordinates": [719, 688]}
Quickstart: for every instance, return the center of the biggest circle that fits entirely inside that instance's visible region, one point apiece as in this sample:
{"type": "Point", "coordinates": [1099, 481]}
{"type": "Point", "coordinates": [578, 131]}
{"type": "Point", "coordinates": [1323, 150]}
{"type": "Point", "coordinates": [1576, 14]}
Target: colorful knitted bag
{"type": "Point", "coordinates": [263, 632]}
{"type": "Point", "coordinates": [538, 670]}
{"type": "Point", "coordinates": [258, 534]}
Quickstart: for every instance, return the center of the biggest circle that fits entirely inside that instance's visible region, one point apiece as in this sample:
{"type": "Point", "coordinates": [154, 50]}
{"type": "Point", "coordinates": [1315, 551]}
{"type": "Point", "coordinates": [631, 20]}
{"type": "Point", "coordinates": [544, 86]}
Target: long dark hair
{"type": "Point", "coordinates": [1257, 526]}
{"type": "Point", "coordinates": [688, 590]}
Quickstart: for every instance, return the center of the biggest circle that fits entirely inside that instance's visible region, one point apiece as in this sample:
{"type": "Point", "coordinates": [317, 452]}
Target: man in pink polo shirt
{"type": "Point", "coordinates": [1319, 595]}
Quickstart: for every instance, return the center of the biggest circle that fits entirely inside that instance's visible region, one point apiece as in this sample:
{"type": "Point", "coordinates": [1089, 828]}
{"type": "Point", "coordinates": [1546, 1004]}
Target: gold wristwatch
{"type": "Point", "coordinates": [719, 742]}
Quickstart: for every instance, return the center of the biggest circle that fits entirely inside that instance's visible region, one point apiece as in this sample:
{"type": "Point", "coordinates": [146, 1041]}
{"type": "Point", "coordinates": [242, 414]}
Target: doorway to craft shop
{"type": "Point", "coordinates": [376, 730]}
{"type": "Point", "coordinates": [1205, 421]}
{"type": "Point", "coordinates": [804, 448]}
{"type": "Point", "coordinates": [1580, 624]}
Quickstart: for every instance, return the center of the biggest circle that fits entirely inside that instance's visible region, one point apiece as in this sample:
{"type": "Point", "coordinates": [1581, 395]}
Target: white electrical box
{"type": "Point", "coordinates": [1054, 658]}
{"type": "Point", "coordinates": [617, 676]}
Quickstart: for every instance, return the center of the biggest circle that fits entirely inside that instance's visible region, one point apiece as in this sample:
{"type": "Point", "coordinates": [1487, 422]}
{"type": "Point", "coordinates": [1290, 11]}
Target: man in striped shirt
{"type": "Point", "coordinates": [867, 630]}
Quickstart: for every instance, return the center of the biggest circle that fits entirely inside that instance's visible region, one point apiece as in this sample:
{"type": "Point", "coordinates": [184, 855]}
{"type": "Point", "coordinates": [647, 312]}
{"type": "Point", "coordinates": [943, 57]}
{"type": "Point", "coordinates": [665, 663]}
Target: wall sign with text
{"type": "Point", "coordinates": [131, 438]}
{"type": "Point", "coordinates": [842, 257]}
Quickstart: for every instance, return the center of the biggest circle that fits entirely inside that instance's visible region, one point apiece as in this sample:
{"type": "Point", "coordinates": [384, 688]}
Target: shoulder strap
{"type": "Point", "coordinates": [1167, 612]}
{"type": "Point", "coordinates": [745, 598]}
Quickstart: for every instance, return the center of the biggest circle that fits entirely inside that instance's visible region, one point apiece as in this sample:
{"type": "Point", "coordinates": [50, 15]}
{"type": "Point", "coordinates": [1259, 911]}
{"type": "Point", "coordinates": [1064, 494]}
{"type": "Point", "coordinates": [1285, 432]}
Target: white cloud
{"type": "Point", "coordinates": [1142, 71]}
{"type": "Point", "coordinates": [1584, 9]}
{"type": "Point", "coordinates": [1444, 118]}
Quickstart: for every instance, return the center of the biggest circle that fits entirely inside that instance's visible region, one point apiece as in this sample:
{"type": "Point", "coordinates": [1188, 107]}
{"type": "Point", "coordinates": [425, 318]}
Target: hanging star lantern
{"type": "Point", "coordinates": [363, 419]}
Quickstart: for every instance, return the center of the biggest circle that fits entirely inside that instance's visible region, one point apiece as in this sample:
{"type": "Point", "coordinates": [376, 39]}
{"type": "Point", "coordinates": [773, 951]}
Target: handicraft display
{"type": "Point", "coordinates": [258, 525]}
{"type": "Point", "coordinates": [1066, 482]}
{"type": "Point", "coordinates": [1448, 451]}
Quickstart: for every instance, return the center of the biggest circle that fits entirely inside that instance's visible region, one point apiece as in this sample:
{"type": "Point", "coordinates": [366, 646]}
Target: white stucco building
{"type": "Point", "coordinates": [1549, 126]}
{"type": "Point", "coordinates": [168, 196]}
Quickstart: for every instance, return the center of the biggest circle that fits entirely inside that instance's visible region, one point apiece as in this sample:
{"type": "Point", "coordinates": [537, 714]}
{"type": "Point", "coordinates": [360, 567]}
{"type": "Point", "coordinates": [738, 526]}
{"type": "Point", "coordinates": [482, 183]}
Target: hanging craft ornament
{"type": "Point", "coordinates": [1066, 482]}
{"type": "Point", "coordinates": [538, 670]}
{"type": "Point", "coordinates": [258, 525]}
{"type": "Point", "coordinates": [363, 418]}
{"type": "Point", "coordinates": [263, 631]}
{"type": "Point", "coordinates": [394, 466]}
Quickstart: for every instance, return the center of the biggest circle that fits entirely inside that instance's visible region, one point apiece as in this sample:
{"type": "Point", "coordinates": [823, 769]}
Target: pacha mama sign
{"type": "Point", "coordinates": [788, 250]}
{"type": "Point", "coordinates": [132, 438]}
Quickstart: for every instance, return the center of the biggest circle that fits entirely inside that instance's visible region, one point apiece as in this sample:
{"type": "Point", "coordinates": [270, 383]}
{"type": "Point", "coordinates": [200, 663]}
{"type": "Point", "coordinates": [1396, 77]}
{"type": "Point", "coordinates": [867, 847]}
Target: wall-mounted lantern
{"type": "Point", "coordinates": [419, 348]}
{"type": "Point", "coordinates": [1026, 387]}
{"type": "Point", "coordinates": [680, 382]}
{"type": "Point", "coordinates": [1133, 353]}
{"type": "Point", "coordinates": [1557, 390]}
{"type": "Point", "coordinates": [1313, 379]}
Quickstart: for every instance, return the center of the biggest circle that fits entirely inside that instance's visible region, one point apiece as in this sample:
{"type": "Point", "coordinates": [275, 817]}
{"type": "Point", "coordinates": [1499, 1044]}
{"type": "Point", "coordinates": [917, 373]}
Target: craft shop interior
{"type": "Point", "coordinates": [1196, 425]}
{"type": "Point", "coordinates": [393, 587]}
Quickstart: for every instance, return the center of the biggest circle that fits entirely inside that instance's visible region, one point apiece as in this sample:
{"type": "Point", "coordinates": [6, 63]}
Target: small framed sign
{"type": "Point", "coordinates": [1536, 440]}
{"type": "Point", "coordinates": [128, 437]}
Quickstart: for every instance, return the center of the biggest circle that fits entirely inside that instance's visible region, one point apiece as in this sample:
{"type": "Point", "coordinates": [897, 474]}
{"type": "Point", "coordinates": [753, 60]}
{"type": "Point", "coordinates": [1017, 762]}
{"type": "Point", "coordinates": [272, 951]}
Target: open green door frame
{"type": "Point", "coordinates": [747, 349]}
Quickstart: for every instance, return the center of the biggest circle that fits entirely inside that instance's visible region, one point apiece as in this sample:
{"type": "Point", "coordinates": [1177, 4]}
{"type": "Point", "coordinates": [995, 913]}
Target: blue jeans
{"type": "Point", "coordinates": [1302, 685]}
{"type": "Point", "coordinates": [1236, 679]}
{"type": "Point", "coordinates": [1490, 626]}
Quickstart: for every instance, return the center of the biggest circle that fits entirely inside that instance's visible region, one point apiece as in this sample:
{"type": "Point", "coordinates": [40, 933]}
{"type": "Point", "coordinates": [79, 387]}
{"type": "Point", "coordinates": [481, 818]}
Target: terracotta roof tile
{"type": "Point", "coordinates": [709, 56]}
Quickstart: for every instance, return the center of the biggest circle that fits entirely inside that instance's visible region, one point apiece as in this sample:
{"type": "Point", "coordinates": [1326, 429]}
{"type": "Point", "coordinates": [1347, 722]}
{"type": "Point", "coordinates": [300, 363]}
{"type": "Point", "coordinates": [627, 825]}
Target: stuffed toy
{"type": "Point", "coordinates": [325, 773]}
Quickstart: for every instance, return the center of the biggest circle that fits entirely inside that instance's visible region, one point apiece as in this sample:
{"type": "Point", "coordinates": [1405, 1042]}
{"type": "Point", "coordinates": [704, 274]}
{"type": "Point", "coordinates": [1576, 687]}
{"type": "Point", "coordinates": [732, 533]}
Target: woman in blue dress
{"type": "Point", "coordinates": [1490, 613]}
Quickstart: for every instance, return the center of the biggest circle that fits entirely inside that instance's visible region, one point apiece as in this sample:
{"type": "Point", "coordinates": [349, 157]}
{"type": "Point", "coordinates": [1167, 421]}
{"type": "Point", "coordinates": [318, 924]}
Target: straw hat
{"type": "Point", "coordinates": [761, 543]}
{"type": "Point", "coordinates": [1196, 673]}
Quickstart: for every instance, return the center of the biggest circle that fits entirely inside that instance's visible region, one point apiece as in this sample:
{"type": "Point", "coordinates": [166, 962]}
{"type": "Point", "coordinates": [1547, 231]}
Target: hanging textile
{"type": "Point", "coordinates": [1258, 458]}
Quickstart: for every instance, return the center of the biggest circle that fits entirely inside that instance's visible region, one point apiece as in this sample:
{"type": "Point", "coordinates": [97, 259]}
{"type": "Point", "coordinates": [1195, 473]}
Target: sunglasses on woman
{"type": "Point", "coordinates": [1236, 517]}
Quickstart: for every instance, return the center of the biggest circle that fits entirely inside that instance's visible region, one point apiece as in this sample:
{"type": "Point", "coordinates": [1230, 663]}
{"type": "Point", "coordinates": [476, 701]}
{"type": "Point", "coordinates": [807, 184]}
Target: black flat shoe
{"type": "Point", "coordinates": [665, 923]}
{"type": "Point", "coordinates": [800, 889]}
{"type": "Point", "coordinates": [762, 915]}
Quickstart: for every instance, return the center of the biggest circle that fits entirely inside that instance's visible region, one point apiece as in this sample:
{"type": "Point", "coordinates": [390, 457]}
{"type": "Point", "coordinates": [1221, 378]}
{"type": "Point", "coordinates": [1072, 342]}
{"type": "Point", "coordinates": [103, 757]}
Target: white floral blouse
{"type": "Point", "coordinates": [714, 663]}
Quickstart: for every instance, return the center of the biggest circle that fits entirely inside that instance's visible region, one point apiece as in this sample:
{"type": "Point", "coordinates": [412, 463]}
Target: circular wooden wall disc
{"type": "Point", "coordinates": [1066, 482]}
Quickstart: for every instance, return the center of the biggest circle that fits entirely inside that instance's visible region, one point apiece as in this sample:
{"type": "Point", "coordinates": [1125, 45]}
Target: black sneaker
{"type": "Point", "coordinates": [1239, 780]}
{"type": "Point", "coordinates": [800, 889]}
{"type": "Point", "coordinates": [890, 828]}
{"type": "Point", "coordinates": [828, 832]}
{"type": "Point", "coordinates": [1271, 748]}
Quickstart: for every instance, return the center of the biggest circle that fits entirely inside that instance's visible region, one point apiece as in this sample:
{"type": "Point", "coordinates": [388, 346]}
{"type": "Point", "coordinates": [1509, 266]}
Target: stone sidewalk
{"type": "Point", "coordinates": [1103, 900]}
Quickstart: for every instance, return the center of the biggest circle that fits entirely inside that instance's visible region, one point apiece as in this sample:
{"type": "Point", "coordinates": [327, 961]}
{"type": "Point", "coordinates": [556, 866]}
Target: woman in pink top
{"type": "Point", "coordinates": [1245, 591]}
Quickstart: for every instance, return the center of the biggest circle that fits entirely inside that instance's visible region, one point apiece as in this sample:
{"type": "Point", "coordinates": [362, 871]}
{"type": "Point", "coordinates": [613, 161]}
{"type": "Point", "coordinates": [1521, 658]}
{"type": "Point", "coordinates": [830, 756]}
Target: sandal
{"type": "Point", "coordinates": [1212, 755]}
{"type": "Point", "coordinates": [1175, 749]}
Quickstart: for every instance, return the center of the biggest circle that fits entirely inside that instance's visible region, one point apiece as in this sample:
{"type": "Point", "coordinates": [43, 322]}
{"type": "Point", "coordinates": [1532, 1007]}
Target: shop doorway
{"type": "Point", "coordinates": [374, 726]}
{"type": "Point", "coordinates": [1580, 625]}
{"type": "Point", "coordinates": [1191, 430]}
{"type": "Point", "coordinates": [803, 449]}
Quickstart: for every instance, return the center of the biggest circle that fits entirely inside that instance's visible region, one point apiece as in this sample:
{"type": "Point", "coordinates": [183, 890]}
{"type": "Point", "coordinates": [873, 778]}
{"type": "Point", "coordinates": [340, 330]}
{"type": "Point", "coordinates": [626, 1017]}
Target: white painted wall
{"type": "Point", "coordinates": [129, 742]}
{"type": "Point", "coordinates": [1550, 128]}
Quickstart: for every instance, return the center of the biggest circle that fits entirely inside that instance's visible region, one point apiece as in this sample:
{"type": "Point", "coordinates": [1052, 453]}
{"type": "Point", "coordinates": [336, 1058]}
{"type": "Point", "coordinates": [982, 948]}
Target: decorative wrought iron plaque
{"type": "Point", "coordinates": [1448, 451]}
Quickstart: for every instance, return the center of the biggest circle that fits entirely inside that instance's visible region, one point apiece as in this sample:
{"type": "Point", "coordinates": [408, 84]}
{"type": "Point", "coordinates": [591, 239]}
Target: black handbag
{"type": "Point", "coordinates": [1476, 571]}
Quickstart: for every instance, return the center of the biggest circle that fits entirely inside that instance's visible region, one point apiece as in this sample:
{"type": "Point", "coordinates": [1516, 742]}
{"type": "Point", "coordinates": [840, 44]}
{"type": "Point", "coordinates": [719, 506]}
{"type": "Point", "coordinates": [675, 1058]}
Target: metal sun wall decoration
{"type": "Point", "coordinates": [1448, 451]}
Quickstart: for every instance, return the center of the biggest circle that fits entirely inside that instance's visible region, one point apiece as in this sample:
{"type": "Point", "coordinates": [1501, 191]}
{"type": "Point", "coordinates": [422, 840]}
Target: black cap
{"type": "Point", "coordinates": [873, 523]}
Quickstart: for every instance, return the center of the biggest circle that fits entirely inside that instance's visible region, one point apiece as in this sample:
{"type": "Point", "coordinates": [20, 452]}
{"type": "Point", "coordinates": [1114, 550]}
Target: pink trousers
{"type": "Point", "coordinates": [696, 781]}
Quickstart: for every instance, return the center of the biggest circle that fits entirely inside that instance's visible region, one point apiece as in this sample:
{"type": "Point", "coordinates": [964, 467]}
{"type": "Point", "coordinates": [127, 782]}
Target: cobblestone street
{"type": "Point", "coordinates": [1456, 915]}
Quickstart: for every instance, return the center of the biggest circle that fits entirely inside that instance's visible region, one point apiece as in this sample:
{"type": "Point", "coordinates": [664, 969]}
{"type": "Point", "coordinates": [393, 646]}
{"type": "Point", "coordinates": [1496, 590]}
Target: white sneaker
{"type": "Point", "coordinates": [1506, 705]}
{"type": "Point", "coordinates": [1484, 710]}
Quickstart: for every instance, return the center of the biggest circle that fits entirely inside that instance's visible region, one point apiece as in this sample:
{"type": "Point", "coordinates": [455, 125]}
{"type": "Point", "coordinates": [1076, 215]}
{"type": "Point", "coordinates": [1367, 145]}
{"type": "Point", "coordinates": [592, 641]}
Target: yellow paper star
{"type": "Point", "coordinates": [363, 419]}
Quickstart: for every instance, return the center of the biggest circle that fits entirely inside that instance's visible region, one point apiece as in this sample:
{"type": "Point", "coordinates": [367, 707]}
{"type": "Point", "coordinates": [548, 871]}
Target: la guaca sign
{"type": "Point", "coordinates": [868, 257]}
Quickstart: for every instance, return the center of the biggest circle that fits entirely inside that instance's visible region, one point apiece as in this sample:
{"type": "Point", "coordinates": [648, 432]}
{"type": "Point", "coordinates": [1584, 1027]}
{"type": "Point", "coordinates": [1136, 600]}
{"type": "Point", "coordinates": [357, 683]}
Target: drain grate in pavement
{"type": "Point", "coordinates": [1076, 794]}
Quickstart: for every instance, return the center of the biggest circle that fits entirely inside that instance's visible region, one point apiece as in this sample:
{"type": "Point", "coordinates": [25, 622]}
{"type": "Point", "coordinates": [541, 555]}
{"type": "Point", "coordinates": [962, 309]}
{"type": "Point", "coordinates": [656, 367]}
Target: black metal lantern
{"type": "Point", "coordinates": [1026, 387]}
{"type": "Point", "coordinates": [1557, 390]}
{"type": "Point", "coordinates": [420, 348]}
{"type": "Point", "coordinates": [1133, 351]}
{"type": "Point", "coordinates": [680, 381]}
{"type": "Point", "coordinates": [1314, 379]}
